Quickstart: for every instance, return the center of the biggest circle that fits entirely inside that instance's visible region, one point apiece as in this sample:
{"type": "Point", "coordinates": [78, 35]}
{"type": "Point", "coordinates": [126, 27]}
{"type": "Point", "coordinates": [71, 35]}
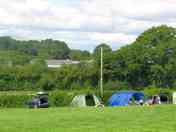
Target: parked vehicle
{"type": "Point", "coordinates": [40, 100]}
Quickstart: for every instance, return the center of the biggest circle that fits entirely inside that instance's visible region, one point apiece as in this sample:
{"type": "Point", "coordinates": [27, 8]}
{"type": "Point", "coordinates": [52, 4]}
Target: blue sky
{"type": "Point", "coordinates": [83, 24]}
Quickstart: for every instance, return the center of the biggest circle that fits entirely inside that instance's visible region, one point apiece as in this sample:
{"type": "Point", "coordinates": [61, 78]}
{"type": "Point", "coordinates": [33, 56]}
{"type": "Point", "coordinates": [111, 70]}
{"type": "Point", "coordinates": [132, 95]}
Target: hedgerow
{"type": "Point", "coordinates": [64, 98]}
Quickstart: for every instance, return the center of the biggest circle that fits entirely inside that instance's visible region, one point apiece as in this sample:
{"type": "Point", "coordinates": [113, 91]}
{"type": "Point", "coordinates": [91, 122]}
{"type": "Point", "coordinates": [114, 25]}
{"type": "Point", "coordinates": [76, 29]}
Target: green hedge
{"type": "Point", "coordinates": [62, 98]}
{"type": "Point", "coordinates": [13, 101]}
{"type": "Point", "coordinates": [56, 98]}
{"type": "Point", "coordinates": [149, 91]}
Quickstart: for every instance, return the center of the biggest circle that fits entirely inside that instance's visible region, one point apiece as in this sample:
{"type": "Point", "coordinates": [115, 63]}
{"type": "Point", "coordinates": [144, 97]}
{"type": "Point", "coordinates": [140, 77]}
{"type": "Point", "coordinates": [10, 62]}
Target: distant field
{"type": "Point", "coordinates": [119, 119]}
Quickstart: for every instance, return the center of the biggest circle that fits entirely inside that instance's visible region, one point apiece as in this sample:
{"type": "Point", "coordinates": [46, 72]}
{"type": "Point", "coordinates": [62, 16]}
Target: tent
{"type": "Point", "coordinates": [174, 98]}
{"type": "Point", "coordinates": [85, 100]}
{"type": "Point", "coordinates": [124, 98]}
{"type": "Point", "coordinates": [165, 98]}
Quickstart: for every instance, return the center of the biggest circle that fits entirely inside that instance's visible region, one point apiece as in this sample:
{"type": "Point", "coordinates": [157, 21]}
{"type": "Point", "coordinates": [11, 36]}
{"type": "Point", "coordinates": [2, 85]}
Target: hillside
{"type": "Point", "coordinates": [45, 49]}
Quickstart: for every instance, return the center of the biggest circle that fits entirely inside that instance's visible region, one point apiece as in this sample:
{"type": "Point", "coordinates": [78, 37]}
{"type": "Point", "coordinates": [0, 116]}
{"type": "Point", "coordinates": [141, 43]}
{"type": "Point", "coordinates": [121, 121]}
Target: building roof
{"type": "Point", "coordinates": [58, 63]}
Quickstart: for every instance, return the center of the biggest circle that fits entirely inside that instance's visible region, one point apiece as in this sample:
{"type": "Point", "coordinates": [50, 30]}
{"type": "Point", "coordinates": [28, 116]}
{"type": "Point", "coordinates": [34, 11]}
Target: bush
{"type": "Point", "coordinates": [115, 85]}
{"type": "Point", "coordinates": [13, 101]}
{"type": "Point", "coordinates": [150, 91]}
{"type": "Point", "coordinates": [60, 98]}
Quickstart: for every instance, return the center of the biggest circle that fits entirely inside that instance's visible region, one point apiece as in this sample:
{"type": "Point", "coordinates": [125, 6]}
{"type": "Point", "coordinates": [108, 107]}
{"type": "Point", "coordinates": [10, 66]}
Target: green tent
{"type": "Point", "coordinates": [84, 100]}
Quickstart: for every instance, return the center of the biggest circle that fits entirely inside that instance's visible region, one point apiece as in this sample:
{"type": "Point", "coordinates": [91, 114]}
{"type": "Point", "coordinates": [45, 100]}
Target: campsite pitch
{"type": "Point", "coordinates": [122, 119]}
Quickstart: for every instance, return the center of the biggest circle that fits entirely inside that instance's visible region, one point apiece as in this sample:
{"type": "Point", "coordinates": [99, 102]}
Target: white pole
{"type": "Point", "coordinates": [101, 78]}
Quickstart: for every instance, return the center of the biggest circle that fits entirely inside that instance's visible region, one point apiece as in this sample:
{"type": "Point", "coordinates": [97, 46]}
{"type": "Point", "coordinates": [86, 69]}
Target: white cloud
{"type": "Point", "coordinates": [84, 23]}
{"type": "Point", "coordinates": [112, 38]}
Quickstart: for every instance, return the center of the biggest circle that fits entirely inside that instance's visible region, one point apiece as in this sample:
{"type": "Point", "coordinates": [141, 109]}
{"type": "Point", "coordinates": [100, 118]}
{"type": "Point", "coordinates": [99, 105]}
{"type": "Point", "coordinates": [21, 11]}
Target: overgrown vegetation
{"type": "Point", "coordinates": [147, 62]}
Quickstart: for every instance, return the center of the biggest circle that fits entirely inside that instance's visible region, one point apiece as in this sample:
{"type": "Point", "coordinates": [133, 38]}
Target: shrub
{"type": "Point", "coordinates": [150, 91]}
{"type": "Point", "coordinates": [13, 101]}
{"type": "Point", "coordinates": [115, 85]}
{"type": "Point", "coordinates": [60, 98]}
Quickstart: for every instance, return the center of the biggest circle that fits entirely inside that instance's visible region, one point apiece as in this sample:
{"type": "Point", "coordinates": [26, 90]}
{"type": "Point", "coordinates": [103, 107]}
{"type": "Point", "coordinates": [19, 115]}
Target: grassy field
{"type": "Point", "coordinates": [122, 119]}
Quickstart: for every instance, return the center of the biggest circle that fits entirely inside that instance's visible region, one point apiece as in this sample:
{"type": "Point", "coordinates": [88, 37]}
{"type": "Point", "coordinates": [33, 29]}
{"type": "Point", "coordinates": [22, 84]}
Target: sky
{"type": "Point", "coordinates": [84, 24]}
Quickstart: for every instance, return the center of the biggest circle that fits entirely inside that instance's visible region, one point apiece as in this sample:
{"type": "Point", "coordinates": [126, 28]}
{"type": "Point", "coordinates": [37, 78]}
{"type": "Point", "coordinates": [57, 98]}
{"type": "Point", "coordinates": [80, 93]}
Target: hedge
{"type": "Point", "coordinates": [64, 98]}
{"type": "Point", "coordinates": [13, 101]}
{"type": "Point", "coordinates": [61, 98]}
{"type": "Point", "coordinates": [56, 98]}
{"type": "Point", "coordinates": [149, 91]}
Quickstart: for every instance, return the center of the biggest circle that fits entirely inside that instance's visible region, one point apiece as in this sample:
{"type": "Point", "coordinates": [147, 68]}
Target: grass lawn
{"type": "Point", "coordinates": [117, 119]}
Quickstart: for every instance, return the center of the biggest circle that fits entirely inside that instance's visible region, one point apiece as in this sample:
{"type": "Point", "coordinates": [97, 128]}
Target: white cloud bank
{"type": "Point", "coordinates": [84, 24]}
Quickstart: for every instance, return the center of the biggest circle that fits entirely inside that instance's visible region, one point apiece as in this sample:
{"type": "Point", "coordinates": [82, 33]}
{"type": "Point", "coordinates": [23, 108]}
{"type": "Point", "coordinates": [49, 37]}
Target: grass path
{"type": "Point", "coordinates": [122, 119]}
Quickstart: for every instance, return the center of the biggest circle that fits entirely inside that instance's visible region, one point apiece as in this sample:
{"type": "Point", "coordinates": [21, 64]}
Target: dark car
{"type": "Point", "coordinates": [39, 101]}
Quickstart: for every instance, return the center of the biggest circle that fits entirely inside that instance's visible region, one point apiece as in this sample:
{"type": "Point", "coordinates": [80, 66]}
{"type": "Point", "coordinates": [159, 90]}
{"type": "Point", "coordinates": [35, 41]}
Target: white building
{"type": "Point", "coordinates": [59, 63]}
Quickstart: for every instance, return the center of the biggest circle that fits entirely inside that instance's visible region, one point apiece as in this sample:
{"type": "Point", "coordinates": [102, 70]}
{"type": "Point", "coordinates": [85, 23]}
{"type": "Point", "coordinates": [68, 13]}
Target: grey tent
{"type": "Point", "coordinates": [84, 100]}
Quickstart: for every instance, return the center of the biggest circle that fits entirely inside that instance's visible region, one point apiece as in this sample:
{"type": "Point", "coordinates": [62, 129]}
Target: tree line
{"type": "Point", "coordinates": [150, 61]}
{"type": "Point", "coordinates": [44, 49]}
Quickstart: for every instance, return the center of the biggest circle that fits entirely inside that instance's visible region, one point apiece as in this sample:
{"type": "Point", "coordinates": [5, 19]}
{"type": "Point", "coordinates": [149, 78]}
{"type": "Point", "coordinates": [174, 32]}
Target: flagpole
{"type": "Point", "coordinates": [101, 76]}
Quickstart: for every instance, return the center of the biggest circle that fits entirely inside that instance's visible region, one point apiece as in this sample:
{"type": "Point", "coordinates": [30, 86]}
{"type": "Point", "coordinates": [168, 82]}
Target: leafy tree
{"type": "Point", "coordinates": [106, 49]}
{"type": "Point", "coordinates": [79, 55]}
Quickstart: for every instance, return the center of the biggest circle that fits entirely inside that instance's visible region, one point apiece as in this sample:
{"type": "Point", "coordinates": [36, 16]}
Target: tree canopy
{"type": "Point", "coordinates": [148, 61]}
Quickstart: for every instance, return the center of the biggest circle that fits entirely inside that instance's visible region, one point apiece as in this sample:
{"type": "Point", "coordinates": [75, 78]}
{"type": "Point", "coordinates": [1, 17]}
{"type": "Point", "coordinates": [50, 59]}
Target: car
{"type": "Point", "coordinates": [40, 100]}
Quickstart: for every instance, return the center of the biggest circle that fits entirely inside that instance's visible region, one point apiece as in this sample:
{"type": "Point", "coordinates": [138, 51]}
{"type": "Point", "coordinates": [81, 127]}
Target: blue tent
{"type": "Point", "coordinates": [123, 98]}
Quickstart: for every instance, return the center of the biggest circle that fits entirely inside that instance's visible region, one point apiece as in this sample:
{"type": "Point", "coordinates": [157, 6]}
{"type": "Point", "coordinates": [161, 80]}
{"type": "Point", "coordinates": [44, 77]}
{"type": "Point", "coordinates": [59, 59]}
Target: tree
{"type": "Point", "coordinates": [106, 49]}
{"type": "Point", "coordinates": [79, 55]}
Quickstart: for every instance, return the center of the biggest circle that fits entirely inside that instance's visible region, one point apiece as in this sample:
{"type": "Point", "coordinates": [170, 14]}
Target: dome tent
{"type": "Point", "coordinates": [123, 98]}
{"type": "Point", "coordinates": [84, 100]}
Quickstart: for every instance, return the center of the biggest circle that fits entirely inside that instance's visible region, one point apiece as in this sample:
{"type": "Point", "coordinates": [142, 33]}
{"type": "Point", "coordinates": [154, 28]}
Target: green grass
{"type": "Point", "coordinates": [117, 119]}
